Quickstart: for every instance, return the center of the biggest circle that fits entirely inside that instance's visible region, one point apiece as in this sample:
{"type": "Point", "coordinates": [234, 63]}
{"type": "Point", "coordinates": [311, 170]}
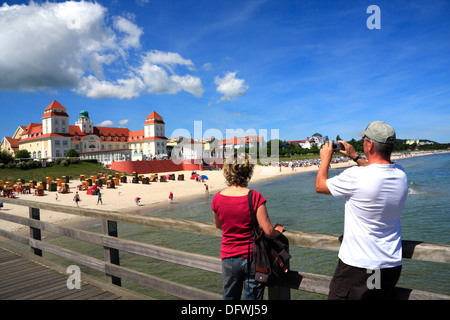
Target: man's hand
{"type": "Point", "coordinates": [322, 175]}
{"type": "Point", "coordinates": [348, 150]}
{"type": "Point", "coordinates": [326, 153]}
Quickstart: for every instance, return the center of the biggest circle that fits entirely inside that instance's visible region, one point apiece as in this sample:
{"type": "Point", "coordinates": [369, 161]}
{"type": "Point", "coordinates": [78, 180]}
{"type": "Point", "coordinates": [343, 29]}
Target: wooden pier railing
{"type": "Point", "coordinates": [113, 245]}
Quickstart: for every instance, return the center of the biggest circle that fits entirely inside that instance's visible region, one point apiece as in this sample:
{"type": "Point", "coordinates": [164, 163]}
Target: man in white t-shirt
{"type": "Point", "coordinates": [370, 256]}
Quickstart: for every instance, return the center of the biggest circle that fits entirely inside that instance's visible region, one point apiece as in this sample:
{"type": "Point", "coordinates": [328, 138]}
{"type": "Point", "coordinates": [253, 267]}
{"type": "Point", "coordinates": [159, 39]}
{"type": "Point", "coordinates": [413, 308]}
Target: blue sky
{"type": "Point", "coordinates": [297, 66]}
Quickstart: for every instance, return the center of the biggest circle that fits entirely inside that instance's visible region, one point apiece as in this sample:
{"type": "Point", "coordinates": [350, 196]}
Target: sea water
{"type": "Point", "coordinates": [293, 202]}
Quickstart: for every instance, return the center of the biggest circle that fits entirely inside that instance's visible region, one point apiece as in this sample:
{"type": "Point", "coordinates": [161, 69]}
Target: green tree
{"type": "Point", "coordinates": [23, 154]}
{"type": "Point", "coordinates": [71, 153]}
{"type": "Point", "coordinates": [5, 157]}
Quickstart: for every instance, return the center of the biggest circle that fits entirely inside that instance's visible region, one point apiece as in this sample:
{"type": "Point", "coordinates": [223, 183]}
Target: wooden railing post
{"type": "Point", "coordinates": [35, 233]}
{"type": "Point", "coordinates": [111, 254]}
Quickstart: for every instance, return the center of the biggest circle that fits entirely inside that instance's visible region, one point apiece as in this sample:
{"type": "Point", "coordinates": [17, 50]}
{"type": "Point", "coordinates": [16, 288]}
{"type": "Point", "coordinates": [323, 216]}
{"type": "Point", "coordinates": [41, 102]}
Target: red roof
{"type": "Point", "coordinates": [241, 140]}
{"type": "Point", "coordinates": [14, 143]}
{"type": "Point", "coordinates": [55, 105]}
{"type": "Point", "coordinates": [55, 109]}
{"type": "Point", "coordinates": [153, 115]}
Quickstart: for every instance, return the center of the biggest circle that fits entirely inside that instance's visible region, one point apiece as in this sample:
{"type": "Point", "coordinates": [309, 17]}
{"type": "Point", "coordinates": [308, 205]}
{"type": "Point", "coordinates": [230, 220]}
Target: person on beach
{"type": "Point", "coordinates": [370, 256]}
{"type": "Point", "coordinates": [232, 215]}
{"type": "Point", "coordinates": [76, 198]}
{"type": "Point", "coordinates": [170, 197]}
{"type": "Point", "coordinates": [99, 199]}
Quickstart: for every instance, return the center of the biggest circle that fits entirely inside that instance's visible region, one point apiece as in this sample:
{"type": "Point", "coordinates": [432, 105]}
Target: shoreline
{"type": "Point", "coordinates": [154, 196]}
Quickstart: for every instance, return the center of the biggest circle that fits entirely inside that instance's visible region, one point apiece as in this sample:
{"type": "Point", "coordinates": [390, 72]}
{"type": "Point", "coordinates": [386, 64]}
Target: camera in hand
{"type": "Point", "coordinates": [337, 146]}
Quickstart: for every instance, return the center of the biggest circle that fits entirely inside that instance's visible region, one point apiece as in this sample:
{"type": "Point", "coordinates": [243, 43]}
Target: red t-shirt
{"type": "Point", "coordinates": [234, 214]}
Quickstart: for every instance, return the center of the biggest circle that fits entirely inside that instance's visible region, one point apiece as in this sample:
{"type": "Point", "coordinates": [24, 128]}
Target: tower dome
{"type": "Point", "coordinates": [83, 114]}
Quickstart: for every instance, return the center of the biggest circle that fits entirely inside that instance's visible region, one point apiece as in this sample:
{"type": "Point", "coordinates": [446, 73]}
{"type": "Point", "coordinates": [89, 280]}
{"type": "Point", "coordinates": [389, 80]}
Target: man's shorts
{"type": "Point", "coordinates": [352, 283]}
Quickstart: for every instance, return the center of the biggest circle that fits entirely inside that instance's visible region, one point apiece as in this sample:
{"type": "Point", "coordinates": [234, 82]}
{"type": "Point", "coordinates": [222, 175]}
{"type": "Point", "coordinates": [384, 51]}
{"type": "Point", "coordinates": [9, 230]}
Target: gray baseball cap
{"type": "Point", "coordinates": [380, 132]}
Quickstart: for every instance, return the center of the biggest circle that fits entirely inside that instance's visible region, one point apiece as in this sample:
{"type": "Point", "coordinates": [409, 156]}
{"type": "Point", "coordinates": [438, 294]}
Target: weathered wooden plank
{"type": "Point", "coordinates": [35, 281]}
{"type": "Point", "coordinates": [23, 282]}
{"type": "Point", "coordinates": [38, 288]}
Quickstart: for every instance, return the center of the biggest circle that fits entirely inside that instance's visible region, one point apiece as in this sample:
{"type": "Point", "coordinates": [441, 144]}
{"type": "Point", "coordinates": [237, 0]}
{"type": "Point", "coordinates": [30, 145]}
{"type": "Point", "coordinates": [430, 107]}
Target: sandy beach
{"type": "Point", "coordinates": [155, 194]}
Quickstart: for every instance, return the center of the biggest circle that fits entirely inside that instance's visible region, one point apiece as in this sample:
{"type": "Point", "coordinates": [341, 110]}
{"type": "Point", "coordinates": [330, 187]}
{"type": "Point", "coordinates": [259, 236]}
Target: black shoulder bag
{"type": "Point", "coordinates": [270, 255]}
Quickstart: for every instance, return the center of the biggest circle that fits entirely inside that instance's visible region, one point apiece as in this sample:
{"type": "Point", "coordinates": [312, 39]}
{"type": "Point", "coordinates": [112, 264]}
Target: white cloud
{"type": "Point", "coordinates": [168, 59]}
{"type": "Point", "coordinates": [70, 45]}
{"type": "Point", "coordinates": [106, 123]}
{"type": "Point", "coordinates": [207, 66]}
{"type": "Point", "coordinates": [157, 73]}
{"type": "Point", "coordinates": [230, 86]}
{"type": "Point", "coordinates": [142, 2]}
{"type": "Point", "coordinates": [133, 32]}
{"type": "Point", "coordinates": [123, 122]}
{"type": "Point", "coordinates": [122, 88]}
{"type": "Point", "coordinates": [32, 55]}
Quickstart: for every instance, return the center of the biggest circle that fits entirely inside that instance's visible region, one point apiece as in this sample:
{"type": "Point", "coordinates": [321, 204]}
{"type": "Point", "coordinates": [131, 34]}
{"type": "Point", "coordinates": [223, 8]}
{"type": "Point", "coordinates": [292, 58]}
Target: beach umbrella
{"type": "Point", "coordinates": [204, 177]}
{"type": "Point", "coordinates": [194, 176]}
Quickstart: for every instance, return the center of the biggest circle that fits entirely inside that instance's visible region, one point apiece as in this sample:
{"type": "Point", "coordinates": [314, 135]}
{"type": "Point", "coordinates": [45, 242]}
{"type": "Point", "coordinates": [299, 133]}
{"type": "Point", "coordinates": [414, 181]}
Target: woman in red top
{"type": "Point", "coordinates": [232, 215]}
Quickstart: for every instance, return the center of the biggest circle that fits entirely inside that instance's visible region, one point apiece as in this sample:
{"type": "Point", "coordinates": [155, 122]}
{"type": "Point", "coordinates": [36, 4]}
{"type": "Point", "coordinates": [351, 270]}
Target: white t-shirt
{"type": "Point", "coordinates": [375, 197]}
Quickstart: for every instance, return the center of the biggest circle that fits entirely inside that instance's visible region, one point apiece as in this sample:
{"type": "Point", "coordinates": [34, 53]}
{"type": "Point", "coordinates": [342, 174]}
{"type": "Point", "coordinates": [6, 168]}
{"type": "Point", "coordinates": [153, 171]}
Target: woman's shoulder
{"type": "Point", "coordinates": [258, 198]}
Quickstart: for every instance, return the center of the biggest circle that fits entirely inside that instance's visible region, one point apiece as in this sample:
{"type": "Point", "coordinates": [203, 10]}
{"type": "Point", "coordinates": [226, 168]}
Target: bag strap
{"type": "Point", "coordinates": [252, 210]}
